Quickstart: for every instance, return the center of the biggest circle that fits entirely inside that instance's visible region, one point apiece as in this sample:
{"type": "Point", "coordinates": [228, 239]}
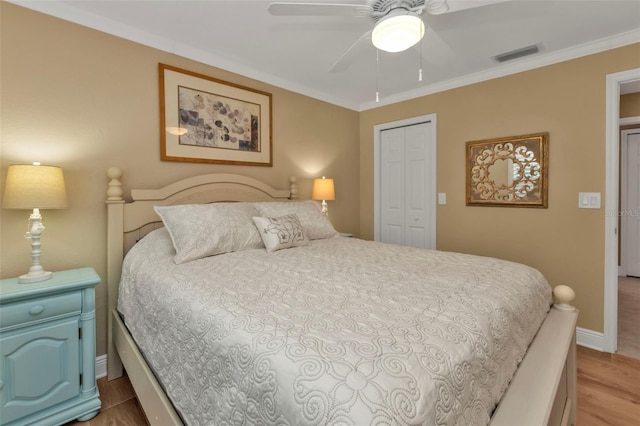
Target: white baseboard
{"type": "Point", "coordinates": [101, 366]}
{"type": "Point", "coordinates": [590, 339]}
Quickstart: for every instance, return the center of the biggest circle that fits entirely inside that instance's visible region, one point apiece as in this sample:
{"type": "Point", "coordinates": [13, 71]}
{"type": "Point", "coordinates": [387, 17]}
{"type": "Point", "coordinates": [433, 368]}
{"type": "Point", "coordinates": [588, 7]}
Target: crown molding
{"type": "Point", "coordinates": [69, 13]}
{"type": "Point", "coordinates": [517, 66]}
{"type": "Point", "coordinates": [109, 26]}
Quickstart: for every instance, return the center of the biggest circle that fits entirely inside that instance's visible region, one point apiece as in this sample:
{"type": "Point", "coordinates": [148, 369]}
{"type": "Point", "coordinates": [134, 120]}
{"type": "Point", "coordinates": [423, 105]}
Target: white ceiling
{"type": "Point", "coordinates": [296, 52]}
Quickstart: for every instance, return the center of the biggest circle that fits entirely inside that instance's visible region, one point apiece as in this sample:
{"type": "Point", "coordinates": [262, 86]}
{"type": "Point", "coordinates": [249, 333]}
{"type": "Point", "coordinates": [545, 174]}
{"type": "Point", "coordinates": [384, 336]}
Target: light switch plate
{"type": "Point", "coordinates": [442, 198]}
{"type": "Point", "coordinates": [588, 200]}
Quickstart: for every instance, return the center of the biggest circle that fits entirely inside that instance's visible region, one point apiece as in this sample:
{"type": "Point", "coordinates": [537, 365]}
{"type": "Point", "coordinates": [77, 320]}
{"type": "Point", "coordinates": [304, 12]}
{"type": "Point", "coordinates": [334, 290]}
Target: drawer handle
{"type": "Point", "coordinates": [36, 310]}
{"type": "Point", "coordinates": [1, 384]}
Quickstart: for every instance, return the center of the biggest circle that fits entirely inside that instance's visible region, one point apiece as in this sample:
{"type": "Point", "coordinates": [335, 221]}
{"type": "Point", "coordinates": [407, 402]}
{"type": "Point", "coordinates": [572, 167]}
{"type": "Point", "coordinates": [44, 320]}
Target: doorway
{"type": "Point", "coordinates": [629, 280]}
{"type": "Point", "coordinates": [405, 182]}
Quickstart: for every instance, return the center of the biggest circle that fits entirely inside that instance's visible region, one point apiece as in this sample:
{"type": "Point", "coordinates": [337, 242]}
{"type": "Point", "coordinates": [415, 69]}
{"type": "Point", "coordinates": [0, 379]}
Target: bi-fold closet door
{"type": "Point", "coordinates": [407, 186]}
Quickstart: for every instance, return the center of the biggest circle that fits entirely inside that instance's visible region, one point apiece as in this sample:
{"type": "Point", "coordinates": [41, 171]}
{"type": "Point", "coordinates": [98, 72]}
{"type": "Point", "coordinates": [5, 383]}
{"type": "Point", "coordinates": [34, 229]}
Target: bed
{"type": "Point", "coordinates": [323, 332]}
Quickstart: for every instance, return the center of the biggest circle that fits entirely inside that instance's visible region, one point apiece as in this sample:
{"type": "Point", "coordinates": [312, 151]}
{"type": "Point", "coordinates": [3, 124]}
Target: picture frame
{"type": "Point", "coordinates": [207, 120]}
{"type": "Point", "coordinates": [508, 172]}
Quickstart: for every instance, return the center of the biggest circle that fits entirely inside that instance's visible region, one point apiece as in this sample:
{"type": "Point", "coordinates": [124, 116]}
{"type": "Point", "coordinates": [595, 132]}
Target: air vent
{"type": "Point", "coordinates": [518, 53]}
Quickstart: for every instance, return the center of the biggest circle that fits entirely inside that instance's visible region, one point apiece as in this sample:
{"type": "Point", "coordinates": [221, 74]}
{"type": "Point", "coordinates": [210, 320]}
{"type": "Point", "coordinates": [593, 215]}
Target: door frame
{"type": "Point", "coordinates": [612, 186]}
{"type": "Point", "coordinates": [431, 167]}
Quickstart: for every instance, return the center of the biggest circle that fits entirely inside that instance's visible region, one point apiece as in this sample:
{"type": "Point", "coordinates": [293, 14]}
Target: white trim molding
{"type": "Point", "coordinates": [629, 121]}
{"type": "Point", "coordinates": [66, 11]}
{"type": "Point", "coordinates": [590, 339]}
{"type": "Point", "coordinates": [612, 177]}
{"type": "Point", "coordinates": [101, 366]}
{"type": "Point", "coordinates": [533, 62]}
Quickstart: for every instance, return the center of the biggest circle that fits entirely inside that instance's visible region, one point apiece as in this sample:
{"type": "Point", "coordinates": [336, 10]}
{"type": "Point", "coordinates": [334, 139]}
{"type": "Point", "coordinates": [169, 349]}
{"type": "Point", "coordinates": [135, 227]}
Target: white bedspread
{"type": "Point", "coordinates": [341, 332]}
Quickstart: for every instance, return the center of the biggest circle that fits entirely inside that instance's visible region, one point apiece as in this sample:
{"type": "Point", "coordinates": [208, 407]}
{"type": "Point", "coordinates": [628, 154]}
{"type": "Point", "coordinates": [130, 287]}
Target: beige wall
{"type": "Point", "coordinates": [85, 101]}
{"type": "Point", "coordinates": [568, 101]}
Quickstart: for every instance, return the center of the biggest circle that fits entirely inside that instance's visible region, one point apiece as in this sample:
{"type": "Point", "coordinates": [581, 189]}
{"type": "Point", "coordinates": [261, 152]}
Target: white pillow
{"type": "Point", "coordinates": [314, 222]}
{"type": "Point", "coordinates": [200, 230]}
{"type": "Point", "coordinates": [281, 232]}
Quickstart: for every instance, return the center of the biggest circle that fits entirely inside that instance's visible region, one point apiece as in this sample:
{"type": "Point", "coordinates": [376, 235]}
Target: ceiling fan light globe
{"type": "Point", "coordinates": [395, 33]}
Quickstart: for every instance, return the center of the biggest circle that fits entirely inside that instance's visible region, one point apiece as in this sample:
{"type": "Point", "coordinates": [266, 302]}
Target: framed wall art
{"type": "Point", "coordinates": [206, 120]}
{"type": "Point", "coordinates": [510, 171]}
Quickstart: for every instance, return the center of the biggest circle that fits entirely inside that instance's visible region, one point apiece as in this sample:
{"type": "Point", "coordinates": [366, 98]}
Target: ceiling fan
{"type": "Point", "coordinates": [398, 24]}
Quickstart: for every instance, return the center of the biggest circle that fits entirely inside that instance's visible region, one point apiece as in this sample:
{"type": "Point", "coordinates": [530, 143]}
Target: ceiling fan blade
{"type": "Point", "coordinates": [440, 7]}
{"type": "Point", "coordinates": [349, 56]}
{"type": "Point", "coordinates": [319, 9]}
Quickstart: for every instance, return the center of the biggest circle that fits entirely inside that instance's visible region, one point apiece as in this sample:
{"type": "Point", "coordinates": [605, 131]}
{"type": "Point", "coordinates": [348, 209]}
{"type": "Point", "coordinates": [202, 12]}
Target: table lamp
{"type": "Point", "coordinates": [323, 190]}
{"type": "Point", "coordinates": [34, 187]}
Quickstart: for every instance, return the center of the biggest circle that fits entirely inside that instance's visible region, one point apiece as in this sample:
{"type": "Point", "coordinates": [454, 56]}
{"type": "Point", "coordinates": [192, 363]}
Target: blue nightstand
{"type": "Point", "coordinates": [48, 349]}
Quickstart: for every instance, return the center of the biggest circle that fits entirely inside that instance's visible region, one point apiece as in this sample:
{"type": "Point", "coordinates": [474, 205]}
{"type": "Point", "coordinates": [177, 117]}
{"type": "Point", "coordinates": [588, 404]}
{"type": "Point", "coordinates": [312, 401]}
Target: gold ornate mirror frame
{"type": "Point", "coordinates": [509, 172]}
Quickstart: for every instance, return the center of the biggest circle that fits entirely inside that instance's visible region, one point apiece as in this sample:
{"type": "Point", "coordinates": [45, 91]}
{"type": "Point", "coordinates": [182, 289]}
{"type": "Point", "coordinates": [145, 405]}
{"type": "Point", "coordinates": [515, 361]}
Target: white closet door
{"type": "Point", "coordinates": [631, 211]}
{"type": "Point", "coordinates": [417, 196]}
{"type": "Point", "coordinates": [392, 215]}
{"type": "Point", "coordinates": [406, 191]}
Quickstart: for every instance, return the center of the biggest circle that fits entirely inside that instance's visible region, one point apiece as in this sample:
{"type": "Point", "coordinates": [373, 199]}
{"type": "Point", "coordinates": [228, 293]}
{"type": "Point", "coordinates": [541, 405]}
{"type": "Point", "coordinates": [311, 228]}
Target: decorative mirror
{"type": "Point", "coordinates": [509, 171]}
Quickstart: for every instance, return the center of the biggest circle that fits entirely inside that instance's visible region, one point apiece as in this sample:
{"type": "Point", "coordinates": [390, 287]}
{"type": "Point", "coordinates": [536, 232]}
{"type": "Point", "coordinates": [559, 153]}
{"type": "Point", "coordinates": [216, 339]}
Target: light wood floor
{"type": "Point", "coordinates": [608, 394]}
{"type": "Point", "coordinates": [120, 406]}
{"type": "Point", "coordinates": [608, 389]}
{"type": "Point", "coordinates": [629, 316]}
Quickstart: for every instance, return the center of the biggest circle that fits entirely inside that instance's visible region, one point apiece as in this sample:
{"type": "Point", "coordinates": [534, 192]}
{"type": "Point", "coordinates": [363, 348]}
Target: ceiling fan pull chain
{"type": "Point", "coordinates": [420, 69]}
{"type": "Point", "coordinates": [377, 75]}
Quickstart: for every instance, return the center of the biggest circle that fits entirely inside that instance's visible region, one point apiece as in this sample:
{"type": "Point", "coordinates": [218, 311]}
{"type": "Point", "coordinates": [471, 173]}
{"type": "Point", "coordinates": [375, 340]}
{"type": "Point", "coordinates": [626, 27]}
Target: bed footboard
{"type": "Point", "coordinates": [543, 390]}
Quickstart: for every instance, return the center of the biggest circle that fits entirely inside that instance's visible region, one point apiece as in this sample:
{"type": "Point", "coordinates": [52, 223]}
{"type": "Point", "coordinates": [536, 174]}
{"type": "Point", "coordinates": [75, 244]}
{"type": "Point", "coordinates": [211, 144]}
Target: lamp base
{"type": "Point", "coordinates": [36, 272]}
{"type": "Point", "coordinates": [26, 278]}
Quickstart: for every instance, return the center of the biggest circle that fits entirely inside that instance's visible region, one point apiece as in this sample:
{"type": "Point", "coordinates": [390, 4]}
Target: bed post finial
{"type": "Point", "coordinates": [293, 188]}
{"type": "Point", "coordinates": [564, 295]}
{"type": "Point", "coordinates": [114, 192]}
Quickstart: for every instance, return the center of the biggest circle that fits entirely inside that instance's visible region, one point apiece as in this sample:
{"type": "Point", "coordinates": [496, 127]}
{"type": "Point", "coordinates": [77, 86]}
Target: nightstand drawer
{"type": "Point", "coordinates": [19, 314]}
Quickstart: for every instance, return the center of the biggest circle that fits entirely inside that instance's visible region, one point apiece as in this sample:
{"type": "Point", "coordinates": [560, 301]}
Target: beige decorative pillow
{"type": "Point", "coordinates": [200, 230]}
{"type": "Point", "coordinates": [281, 232]}
{"type": "Point", "coordinates": [315, 224]}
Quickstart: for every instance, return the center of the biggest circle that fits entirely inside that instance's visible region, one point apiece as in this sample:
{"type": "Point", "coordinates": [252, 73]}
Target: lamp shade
{"type": "Point", "coordinates": [323, 189]}
{"type": "Point", "coordinates": [397, 31]}
{"type": "Point", "coordinates": [34, 187]}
